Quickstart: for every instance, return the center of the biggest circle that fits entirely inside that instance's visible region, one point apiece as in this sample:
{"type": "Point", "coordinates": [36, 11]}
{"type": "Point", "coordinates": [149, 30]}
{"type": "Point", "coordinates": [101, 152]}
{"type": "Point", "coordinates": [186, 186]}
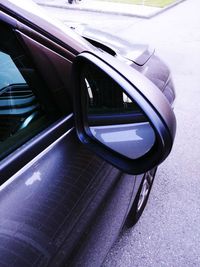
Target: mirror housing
{"type": "Point", "coordinates": [149, 99]}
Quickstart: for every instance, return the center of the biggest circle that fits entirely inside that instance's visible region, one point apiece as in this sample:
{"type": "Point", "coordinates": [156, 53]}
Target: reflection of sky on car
{"type": "Point", "coordinates": [131, 140]}
{"type": "Point", "coordinates": [13, 76]}
{"type": "Point", "coordinates": [120, 134]}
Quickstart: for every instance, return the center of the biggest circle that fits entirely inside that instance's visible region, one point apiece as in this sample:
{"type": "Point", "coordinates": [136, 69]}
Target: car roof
{"type": "Point", "coordinates": [31, 14]}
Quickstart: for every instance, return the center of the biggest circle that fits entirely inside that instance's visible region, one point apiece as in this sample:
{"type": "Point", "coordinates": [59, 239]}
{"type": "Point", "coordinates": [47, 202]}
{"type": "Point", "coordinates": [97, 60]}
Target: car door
{"type": "Point", "coordinates": [59, 203]}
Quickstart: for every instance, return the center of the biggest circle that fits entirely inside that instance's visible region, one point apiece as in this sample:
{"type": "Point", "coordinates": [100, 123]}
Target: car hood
{"type": "Point", "coordinates": [137, 53]}
{"type": "Point", "coordinates": [140, 57]}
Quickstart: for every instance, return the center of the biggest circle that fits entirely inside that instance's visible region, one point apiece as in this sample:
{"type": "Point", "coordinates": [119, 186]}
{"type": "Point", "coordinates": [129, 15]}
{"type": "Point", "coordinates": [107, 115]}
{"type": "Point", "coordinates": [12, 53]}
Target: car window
{"type": "Point", "coordinates": [9, 74]}
{"type": "Point", "coordinates": [25, 107]}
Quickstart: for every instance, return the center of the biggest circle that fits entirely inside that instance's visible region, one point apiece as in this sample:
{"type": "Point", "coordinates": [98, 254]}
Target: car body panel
{"type": "Point", "coordinates": [136, 53]}
{"type": "Point", "coordinates": [60, 204]}
{"type": "Point", "coordinates": [141, 57]}
{"type": "Point", "coordinates": [43, 204]}
{"type": "Point", "coordinates": [30, 14]}
{"type": "Point", "coordinates": [52, 187]}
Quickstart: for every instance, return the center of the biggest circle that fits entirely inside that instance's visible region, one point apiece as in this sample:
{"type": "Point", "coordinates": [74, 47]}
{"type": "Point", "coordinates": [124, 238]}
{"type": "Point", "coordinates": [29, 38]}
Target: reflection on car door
{"type": "Point", "coordinates": [58, 202]}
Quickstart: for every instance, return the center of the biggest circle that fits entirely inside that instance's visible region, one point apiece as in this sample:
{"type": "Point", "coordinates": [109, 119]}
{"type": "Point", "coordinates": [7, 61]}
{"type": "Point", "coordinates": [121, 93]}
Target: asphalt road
{"type": "Point", "coordinates": [168, 234]}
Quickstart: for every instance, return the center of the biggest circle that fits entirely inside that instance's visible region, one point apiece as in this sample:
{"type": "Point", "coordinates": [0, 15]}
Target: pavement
{"type": "Point", "coordinates": [140, 11]}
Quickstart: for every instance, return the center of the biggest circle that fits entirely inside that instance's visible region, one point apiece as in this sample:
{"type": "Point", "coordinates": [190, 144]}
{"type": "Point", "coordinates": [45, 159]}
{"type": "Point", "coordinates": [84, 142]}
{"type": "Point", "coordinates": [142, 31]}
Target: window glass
{"type": "Point", "coordinates": [18, 105]}
{"type": "Point", "coordinates": [9, 74]}
{"type": "Point", "coordinates": [25, 106]}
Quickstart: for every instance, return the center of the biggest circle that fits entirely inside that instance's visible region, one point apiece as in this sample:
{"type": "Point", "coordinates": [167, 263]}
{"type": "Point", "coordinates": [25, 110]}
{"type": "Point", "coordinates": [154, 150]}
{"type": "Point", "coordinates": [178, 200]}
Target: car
{"type": "Point", "coordinates": [84, 124]}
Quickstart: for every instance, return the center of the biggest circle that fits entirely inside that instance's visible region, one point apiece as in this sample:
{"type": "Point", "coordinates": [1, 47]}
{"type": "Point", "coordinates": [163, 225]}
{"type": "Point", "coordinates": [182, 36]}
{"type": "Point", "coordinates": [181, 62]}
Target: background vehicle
{"type": "Point", "coordinates": [60, 203]}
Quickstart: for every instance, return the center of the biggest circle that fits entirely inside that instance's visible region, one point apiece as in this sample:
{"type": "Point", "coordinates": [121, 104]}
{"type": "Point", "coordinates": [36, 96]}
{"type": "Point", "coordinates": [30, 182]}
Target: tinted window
{"type": "Point", "coordinates": [25, 106]}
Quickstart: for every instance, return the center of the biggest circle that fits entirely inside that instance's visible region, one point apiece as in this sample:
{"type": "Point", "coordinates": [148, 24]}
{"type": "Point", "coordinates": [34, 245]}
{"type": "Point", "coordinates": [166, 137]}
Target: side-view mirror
{"type": "Point", "coordinates": [120, 115]}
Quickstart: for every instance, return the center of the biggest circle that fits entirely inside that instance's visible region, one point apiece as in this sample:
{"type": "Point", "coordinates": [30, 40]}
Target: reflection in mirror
{"type": "Point", "coordinates": [130, 140]}
{"type": "Point", "coordinates": [113, 118]}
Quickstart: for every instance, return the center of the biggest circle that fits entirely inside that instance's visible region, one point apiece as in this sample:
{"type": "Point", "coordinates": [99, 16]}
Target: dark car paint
{"type": "Point", "coordinates": [136, 53]}
{"type": "Point", "coordinates": [73, 44]}
{"type": "Point", "coordinates": [58, 202]}
{"type": "Point", "coordinates": [30, 15]}
{"type": "Point", "coordinates": [29, 230]}
{"type": "Point", "coordinates": [140, 57]}
{"type": "Point", "coordinates": [60, 197]}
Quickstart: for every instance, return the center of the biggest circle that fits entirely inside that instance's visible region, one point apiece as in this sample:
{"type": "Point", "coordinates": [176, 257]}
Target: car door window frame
{"type": "Point", "coordinates": [31, 146]}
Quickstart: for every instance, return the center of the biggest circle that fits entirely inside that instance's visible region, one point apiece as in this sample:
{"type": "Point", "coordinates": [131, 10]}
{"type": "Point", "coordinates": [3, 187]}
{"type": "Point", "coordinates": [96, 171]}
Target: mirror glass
{"type": "Point", "coordinates": [113, 118]}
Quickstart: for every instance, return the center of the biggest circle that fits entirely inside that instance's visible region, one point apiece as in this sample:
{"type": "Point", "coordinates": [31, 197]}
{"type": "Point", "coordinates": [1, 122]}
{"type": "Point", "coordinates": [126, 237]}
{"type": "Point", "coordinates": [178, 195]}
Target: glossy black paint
{"type": "Point", "coordinates": [58, 196]}
{"type": "Point", "coordinates": [61, 205]}
{"type": "Point", "coordinates": [15, 161]}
